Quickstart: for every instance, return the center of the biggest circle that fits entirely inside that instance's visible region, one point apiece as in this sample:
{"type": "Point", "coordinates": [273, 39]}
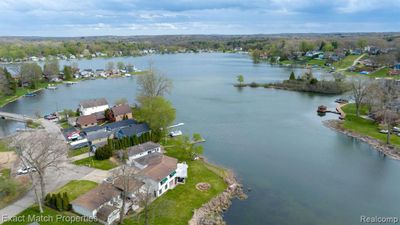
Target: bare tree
{"type": "Point", "coordinates": [41, 151]}
{"type": "Point", "coordinates": [145, 197]}
{"type": "Point", "coordinates": [153, 84]}
{"type": "Point", "coordinates": [126, 178]}
{"type": "Point", "coordinates": [390, 117]}
{"type": "Point", "coordinates": [359, 88]}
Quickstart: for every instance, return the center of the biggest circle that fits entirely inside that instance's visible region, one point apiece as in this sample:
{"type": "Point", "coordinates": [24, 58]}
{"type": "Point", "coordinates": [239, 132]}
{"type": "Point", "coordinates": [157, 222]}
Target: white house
{"type": "Point", "coordinates": [142, 150]}
{"type": "Point", "coordinates": [158, 172]}
{"type": "Point", "coordinates": [91, 106]}
{"type": "Point", "coordinates": [102, 203]}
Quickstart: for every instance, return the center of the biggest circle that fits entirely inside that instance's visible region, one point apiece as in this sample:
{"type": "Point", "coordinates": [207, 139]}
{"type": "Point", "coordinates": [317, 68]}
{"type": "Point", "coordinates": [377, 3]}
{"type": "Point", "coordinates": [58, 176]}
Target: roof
{"type": "Point", "coordinates": [86, 120]}
{"type": "Point", "coordinates": [181, 170]}
{"type": "Point", "coordinates": [93, 102]}
{"type": "Point", "coordinates": [134, 129]}
{"type": "Point", "coordinates": [132, 184]}
{"type": "Point", "coordinates": [137, 149]}
{"type": "Point", "coordinates": [97, 197]}
{"type": "Point", "coordinates": [98, 135]}
{"type": "Point", "coordinates": [92, 129]}
{"type": "Point", "coordinates": [121, 110]}
{"type": "Point", "coordinates": [120, 124]}
{"type": "Point", "coordinates": [105, 211]}
{"type": "Point", "coordinates": [158, 167]}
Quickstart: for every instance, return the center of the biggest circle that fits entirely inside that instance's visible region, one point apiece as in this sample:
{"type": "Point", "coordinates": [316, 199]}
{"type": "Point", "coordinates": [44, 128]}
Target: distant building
{"type": "Point", "coordinates": [91, 106]}
{"type": "Point", "coordinates": [142, 150]}
{"type": "Point", "coordinates": [132, 130]}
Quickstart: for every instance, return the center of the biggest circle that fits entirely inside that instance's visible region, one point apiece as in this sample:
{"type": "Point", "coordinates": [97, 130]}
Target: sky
{"type": "Point", "coordinates": [75, 18]}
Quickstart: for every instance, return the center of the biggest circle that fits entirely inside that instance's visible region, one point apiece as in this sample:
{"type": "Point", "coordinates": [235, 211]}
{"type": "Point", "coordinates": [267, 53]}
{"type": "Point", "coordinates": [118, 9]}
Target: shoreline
{"type": "Point", "coordinates": [391, 151]}
{"type": "Point", "coordinates": [210, 213]}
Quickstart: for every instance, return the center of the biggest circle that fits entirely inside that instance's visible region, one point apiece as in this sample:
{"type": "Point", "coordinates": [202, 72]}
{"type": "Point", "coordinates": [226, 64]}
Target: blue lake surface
{"type": "Point", "coordinates": [299, 171]}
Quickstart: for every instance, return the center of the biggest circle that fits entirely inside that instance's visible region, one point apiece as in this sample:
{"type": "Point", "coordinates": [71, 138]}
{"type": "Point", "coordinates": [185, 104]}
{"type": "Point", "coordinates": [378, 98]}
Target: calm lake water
{"type": "Point", "coordinates": [299, 171]}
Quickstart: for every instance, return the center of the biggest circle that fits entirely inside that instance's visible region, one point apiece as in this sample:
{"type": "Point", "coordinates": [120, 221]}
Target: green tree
{"type": "Point", "coordinates": [51, 69]}
{"type": "Point", "coordinates": [31, 73]}
{"type": "Point", "coordinates": [328, 47]}
{"type": "Point", "coordinates": [59, 204]}
{"type": "Point", "coordinates": [240, 79]}
{"type": "Point", "coordinates": [120, 65]}
{"type": "Point", "coordinates": [306, 46]}
{"type": "Point", "coordinates": [157, 112]}
{"type": "Point", "coordinates": [67, 73]}
{"type": "Point", "coordinates": [65, 201]}
{"type": "Point", "coordinates": [362, 43]}
{"type": "Point", "coordinates": [292, 76]}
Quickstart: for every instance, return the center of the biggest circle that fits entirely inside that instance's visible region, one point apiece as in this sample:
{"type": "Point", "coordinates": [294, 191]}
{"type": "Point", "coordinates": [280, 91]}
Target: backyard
{"type": "Point", "coordinates": [106, 164]}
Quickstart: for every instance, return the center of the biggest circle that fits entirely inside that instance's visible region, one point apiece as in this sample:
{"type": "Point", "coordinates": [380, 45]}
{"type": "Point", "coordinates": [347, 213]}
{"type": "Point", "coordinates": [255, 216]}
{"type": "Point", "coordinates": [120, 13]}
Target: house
{"type": "Point", "coordinates": [99, 138]}
{"type": "Point", "coordinates": [120, 112]}
{"type": "Point", "coordinates": [86, 121]}
{"type": "Point", "coordinates": [102, 202]}
{"type": "Point", "coordinates": [132, 130]}
{"type": "Point", "coordinates": [142, 150]}
{"type": "Point", "coordinates": [158, 171]}
{"type": "Point", "coordinates": [91, 106]}
{"type": "Point", "coordinates": [120, 124]}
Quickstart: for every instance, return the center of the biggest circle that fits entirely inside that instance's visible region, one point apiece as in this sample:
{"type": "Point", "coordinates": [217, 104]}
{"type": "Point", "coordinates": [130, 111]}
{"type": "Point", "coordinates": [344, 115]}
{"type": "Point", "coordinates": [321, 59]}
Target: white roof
{"type": "Point", "coordinates": [181, 170]}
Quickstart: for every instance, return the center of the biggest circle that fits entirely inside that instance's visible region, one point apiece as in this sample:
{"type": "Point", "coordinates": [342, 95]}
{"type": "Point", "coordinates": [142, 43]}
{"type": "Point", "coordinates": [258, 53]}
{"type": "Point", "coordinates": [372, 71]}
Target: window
{"type": "Point", "coordinates": [159, 192]}
{"type": "Point", "coordinates": [166, 186]}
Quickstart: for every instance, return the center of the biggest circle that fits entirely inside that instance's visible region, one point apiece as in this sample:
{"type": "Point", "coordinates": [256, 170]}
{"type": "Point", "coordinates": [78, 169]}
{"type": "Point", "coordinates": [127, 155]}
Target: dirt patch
{"type": "Point", "coordinates": [203, 186]}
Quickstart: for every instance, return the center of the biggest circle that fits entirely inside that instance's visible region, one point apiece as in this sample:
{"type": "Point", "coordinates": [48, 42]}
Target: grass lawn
{"type": "Point", "coordinates": [365, 127]}
{"type": "Point", "coordinates": [317, 62]}
{"type": "Point", "coordinates": [346, 62]}
{"type": "Point", "coordinates": [351, 109]}
{"type": "Point", "coordinates": [20, 92]}
{"type": "Point", "coordinates": [4, 146]}
{"type": "Point", "coordinates": [49, 217]}
{"type": "Point", "coordinates": [75, 188]}
{"type": "Point", "coordinates": [177, 205]}
{"type": "Point", "coordinates": [98, 164]}
{"type": "Point", "coordinates": [79, 151]}
{"type": "Point", "coordinates": [64, 125]}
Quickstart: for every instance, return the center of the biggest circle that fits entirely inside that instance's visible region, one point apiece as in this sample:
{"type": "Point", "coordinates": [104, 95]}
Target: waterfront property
{"type": "Point", "coordinates": [120, 112]}
{"type": "Point", "coordinates": [158, 171]}
{"type": "Point", "coordinates": [92, 106]}
{"type": "Point", "coordinates": [86, 121]}
{"type": "Point", "coordinates": [142, 150]}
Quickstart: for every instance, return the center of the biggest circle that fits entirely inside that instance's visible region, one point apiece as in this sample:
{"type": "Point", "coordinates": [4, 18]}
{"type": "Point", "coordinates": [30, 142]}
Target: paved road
{"type": "Point", "coordinates": [54, 180]}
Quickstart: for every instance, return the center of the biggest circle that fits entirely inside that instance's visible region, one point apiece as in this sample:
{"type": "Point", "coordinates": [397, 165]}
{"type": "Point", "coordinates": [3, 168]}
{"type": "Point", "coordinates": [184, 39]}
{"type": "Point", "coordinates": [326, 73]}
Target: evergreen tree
{"type": "Point", "coordinates": [59, 204]}
{"type": "Point", "coordinates": [66, 205]}
{"type": "Point", "coordinates": [67, 73]}
{"type": "Point", "coordinates": [292, 76]}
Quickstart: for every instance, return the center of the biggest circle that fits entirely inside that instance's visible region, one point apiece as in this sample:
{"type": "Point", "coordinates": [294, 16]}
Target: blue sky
{"type": "Point", "coordinates": [156, 17]}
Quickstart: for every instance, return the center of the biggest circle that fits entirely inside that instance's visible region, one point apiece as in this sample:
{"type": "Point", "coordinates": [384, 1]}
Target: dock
{"type": "Point", "coordinates": [14, 116]}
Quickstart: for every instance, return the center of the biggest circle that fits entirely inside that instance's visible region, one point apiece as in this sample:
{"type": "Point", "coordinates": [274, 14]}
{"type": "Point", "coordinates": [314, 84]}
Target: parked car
{"type": "Point", "coordinates": [25, 170]}
{"type": "Point", "coordinates": [52, 116]}
{"type": "Point", "coordinates": [396, 129]}
{"type": "Point", "coordinates": [73, 135]}
{"type": "Point", "coordinates": [383, 131]}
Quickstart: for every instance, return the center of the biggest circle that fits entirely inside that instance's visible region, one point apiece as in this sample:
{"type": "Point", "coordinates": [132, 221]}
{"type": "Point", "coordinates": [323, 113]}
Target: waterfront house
{"type": "Point", "coordinates": [99, 138]}
{"type": "Point", "coordinates": [92, 106]}
{"type": "Point", "coordinates": [158, 172]}
{"type": "Point", "coordinates": [120, 112]}
{"type": "Point", "coordinates": [142, 150]}
{"type": "Point", "coordinates": [113, 127]}
{"type": "Point", "coordinates": [102, 203]}
{"type": "Point", "coordinates": [86, 121]}
{"type": "Point", "coordinates": [132, 130]}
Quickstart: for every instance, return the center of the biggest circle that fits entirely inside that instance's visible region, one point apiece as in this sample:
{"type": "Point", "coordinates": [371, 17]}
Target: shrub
{"type": "Point", "coordinates": [59, 204]}
{"type": "Point", "coordinates": [313, 81]}
{"type": "Point", "coordinates": [103, 153]}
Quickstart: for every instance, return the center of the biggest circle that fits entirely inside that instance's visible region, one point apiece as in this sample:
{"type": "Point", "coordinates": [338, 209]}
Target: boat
{"type": "Point", "coordinates": [51, 87]}
{"type": "Point", "coordinates": [70, 83]}
{"type": "Point", "coordinates": [341, 101]}
{"type": "Point", "coordinates": [128, 75]}
{"type": "Point", "coordinates": [175, 133]}
{"type": "Point", "coordinates": [30, 94]}
{"type": "Point", "coordinates": [322, 109]}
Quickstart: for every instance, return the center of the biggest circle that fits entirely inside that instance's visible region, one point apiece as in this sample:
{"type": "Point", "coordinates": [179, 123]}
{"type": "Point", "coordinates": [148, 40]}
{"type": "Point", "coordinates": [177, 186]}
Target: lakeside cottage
{"type": "Point", "coordinates": [120, 112]}
{"type": "Point", "coordinates": [158, 171]}
{"type": "Point", "coordinates": [86, 121]}
{"type": "Point", "coordinates": [142, 150]}
{"type": "Point", "coordinates": [91, 106]}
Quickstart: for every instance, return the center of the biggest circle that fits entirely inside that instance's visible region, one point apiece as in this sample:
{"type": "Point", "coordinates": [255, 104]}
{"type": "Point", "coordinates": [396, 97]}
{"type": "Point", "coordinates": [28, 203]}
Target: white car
{"type": "Point", "coordinates": [396, 129]}
{"type": "Point", "coordinates": [383, 131]}
{"type": "Point", "coordinates": [25, 170]}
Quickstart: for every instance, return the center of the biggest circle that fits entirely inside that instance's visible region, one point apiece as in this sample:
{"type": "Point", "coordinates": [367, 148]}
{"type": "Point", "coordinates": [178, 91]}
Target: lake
{"type": "Point", "coordinates": [299, 172]}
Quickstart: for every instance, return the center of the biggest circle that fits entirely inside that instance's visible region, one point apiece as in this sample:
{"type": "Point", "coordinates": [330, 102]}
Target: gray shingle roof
{"type": "Point", "coordinates": [93, 102]}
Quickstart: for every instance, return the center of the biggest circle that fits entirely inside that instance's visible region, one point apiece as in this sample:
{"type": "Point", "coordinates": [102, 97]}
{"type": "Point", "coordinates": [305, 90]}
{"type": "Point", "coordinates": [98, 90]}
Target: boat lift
{"type": "Point", "coordinates": [175, 133]}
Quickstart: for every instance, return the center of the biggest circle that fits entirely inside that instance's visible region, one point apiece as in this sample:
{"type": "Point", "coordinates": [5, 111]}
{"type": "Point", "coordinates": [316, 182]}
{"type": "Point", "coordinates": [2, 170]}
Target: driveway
{"type": "Point", "coordinates": [54, 180]}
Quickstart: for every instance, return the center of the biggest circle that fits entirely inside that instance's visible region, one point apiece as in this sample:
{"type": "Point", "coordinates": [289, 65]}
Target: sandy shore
{"type": "Point", "coordinates": [388, 150]}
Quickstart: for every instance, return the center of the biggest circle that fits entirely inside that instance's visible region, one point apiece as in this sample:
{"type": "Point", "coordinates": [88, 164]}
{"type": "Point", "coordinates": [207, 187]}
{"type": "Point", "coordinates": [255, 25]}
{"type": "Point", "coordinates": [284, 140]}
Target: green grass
{"type": "Point", "coordinates": [5, 173]}
{"type": "Point", "coordinates": [4, 146]}
{"type": "Point", "coordinates": [76, 188]}
{"type": "Point", "coordinates": [32, 214]}
{"type": "Point", "coordinates": [64, 125]}
{"type": "Point", "coordinates": [346, 62]}
{"type": "Point", "coordinates": [365, 127]}
{"type": "Point", "coordinates": [384, 72]}
{"type": "Point", "coordinates": [177, 205]}
{"type": "Point", "coordinates": [351, 109]}
{"type": "Point", "coordinates": [317, 62]}
{"type": "Point", "coordinates": [98, 164]}
{"type": "Point", "coordinates": [20, 92]}
{"type": "Point", "coordinates": [79, 151]}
